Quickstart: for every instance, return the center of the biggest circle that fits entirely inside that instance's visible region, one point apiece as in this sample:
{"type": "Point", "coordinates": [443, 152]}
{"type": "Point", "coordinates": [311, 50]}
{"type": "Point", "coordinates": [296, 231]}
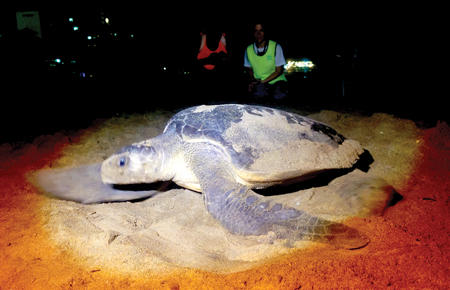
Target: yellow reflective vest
{"type": "Point", "coordinates": [263, 66]}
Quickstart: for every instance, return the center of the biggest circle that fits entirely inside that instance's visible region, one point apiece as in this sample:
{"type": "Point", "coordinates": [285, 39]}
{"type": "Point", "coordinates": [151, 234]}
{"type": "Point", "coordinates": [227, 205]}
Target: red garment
{"type": "Point", "coordinates": [206, 52]}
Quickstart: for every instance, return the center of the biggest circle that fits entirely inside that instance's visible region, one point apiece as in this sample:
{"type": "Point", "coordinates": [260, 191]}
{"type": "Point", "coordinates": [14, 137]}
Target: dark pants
{"type": "Point", "coordinates": [278, 90]}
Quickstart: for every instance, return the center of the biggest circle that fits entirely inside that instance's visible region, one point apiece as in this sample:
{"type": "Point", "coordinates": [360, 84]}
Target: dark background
{"type": "Point", "coordinates": [359, 52]}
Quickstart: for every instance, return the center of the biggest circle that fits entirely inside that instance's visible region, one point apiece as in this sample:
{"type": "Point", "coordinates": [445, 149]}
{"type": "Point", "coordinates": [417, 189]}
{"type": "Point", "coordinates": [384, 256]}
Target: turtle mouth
{"type": "Point", "coordinates": [107, 180]}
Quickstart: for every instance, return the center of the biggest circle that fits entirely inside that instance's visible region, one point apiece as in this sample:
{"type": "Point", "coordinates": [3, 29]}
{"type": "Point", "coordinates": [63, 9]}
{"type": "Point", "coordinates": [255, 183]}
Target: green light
{"type": "Point", "coordinates": [71, 19]}
{"type": "Point", "coordinates": [75, 28]}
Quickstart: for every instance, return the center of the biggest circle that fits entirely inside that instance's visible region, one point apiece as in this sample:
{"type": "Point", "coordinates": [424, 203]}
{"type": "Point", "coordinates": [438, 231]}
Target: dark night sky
{"type": "Point", "coordinates": [303, 29]}
{"type": "Point", "coordinates": [315, 26]}
{"type": "Point", "coordinates": [318, 31]}
{"type": "Point", "coordinates": [314, 30]}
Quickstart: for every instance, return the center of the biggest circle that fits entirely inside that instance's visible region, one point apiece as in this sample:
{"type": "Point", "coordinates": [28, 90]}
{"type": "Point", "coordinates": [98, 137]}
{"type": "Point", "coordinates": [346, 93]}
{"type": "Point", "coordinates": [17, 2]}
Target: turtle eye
{"type": "Point", "coordinates": [122, 162]}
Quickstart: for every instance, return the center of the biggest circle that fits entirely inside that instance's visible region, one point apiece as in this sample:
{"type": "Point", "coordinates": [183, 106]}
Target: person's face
{"type": "Point", "coordinates": [259, 33]}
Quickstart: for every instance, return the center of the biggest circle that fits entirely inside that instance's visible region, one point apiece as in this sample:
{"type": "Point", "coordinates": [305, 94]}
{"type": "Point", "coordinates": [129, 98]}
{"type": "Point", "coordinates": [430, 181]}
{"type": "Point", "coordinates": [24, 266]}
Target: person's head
{"type": "Point", "coordinates": [259, 33]}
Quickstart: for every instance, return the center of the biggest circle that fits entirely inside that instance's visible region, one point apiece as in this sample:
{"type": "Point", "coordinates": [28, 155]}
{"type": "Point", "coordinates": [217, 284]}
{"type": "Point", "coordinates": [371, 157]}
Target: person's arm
{"type": "Point", "coordinates": [278, 71]}
{"type": "Point", "coordinates": [253, 81]}
{"type": "Point", "coordinates": [251, 74]}
{"type": "Point", "coordinates": [280, 61]}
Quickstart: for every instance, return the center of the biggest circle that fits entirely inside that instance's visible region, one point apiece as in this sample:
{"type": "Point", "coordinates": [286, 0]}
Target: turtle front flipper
{"type": "Point", "coordinates": [243, 212]}
{"type": "Point", "coordinates": [84, 184]}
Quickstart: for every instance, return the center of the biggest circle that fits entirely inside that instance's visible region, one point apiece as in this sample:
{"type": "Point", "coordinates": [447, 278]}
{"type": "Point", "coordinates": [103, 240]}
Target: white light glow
{"type": "Point", "coordinates": [298, 64]}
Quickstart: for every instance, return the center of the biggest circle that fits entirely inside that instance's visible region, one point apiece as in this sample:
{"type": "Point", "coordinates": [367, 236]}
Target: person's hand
{"type": "Point", "coordinates": [250, 87]}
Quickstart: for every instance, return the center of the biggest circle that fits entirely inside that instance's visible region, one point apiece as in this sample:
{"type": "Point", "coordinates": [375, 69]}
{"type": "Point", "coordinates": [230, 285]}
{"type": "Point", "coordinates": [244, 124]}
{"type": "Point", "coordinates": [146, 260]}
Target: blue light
{"type": "Point", "coordinates": [75, 28]}
{"type": "Point", "coordinates": [71, 19]}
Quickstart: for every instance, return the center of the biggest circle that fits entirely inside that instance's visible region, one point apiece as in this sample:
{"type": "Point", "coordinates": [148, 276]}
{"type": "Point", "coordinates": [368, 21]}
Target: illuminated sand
{"type": "Point", "coordinates": [409, 244]}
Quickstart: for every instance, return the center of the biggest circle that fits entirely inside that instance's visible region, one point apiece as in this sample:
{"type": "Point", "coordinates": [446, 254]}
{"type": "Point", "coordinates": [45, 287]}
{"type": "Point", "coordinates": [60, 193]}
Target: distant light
{"type": "Point", "coordinates": [107, 20]}
{"type": "Point", "coordinates": [89, 37]}
{"type": "Point", "coordinates": [75, 28]}
{"type": "Point", "coordinates": [115, 34]}
{"type": "Point", "coordinates": [132, 35]}
{"type": "Point", "coordinates": [165, 68]}
{"type": "Point", "coordinates": [71, 19]}
{"type": "Point", "coordinates": [299, 65]}
{"type": "Point", "coordinates": [58, 60]}
{"type": "Point", "coordinates": [73, 61]}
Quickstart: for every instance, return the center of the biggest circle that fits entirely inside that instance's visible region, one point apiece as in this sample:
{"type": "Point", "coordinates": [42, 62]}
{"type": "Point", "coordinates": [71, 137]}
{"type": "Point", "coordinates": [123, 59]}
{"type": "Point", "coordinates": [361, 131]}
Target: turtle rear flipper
{"type": "Point", "coordinates": [243, 212]}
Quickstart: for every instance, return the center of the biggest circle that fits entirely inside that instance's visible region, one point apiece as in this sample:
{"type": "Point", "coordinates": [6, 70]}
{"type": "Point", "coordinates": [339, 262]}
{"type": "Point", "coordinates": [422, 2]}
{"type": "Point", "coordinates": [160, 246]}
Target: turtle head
{"type": "Point", "coordinates": [132, 164]}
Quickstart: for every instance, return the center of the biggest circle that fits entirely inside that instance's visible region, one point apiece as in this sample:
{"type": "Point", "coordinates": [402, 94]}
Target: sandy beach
{"type": "Point", "coordinates": [169, 241]}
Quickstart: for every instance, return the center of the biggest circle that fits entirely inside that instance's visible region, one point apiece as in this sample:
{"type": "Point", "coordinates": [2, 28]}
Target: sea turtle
{"type": "Point", "coordinates": [225, 151]}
